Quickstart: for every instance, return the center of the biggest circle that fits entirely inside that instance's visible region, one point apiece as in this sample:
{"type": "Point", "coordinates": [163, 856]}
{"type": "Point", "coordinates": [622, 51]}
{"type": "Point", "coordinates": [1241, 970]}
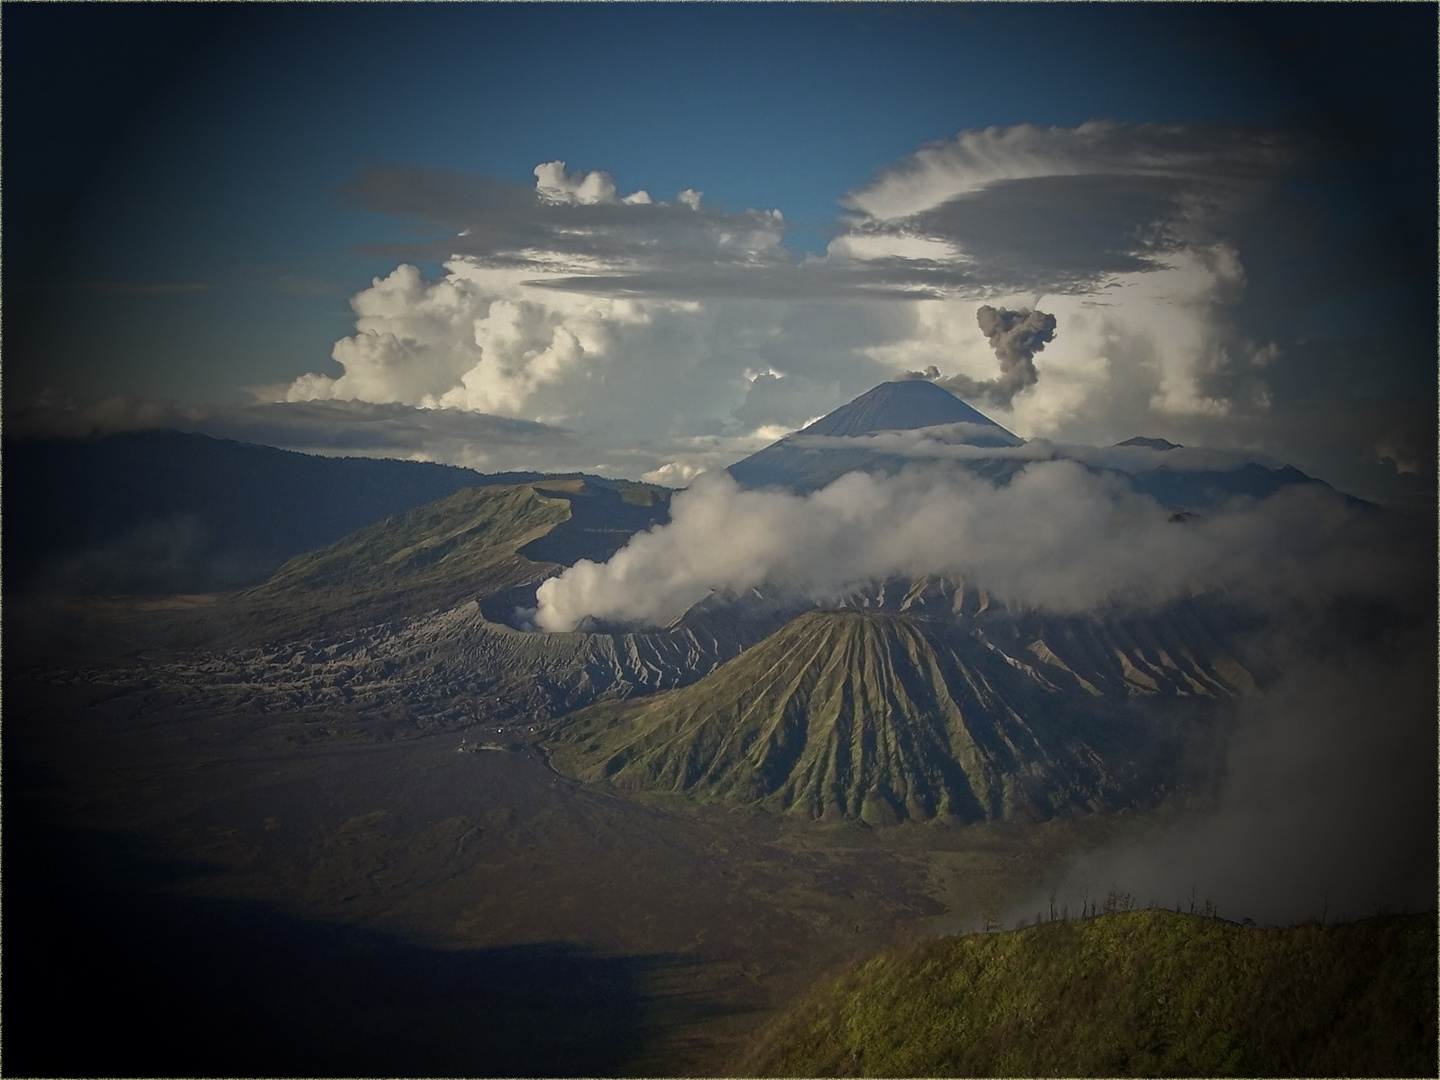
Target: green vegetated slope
{"type": "Point", "coordinates": [861, 715]}
{"type": "Point", "coordinates": [1144, 993]}
{"type": "Point", "coordinates": [1187, 648]}
{"type": "Point", "coordinates": [458, 548]}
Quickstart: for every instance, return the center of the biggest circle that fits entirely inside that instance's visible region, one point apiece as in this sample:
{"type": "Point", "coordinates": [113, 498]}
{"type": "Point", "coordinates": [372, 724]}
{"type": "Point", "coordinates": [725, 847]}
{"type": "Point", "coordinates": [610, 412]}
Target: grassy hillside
{"type": "Point", "coordinates": [1144, 993]}
{"type": "Point", "coordinates": [474, 543]}
{"type": "Point", "coordinates": [860, 715]}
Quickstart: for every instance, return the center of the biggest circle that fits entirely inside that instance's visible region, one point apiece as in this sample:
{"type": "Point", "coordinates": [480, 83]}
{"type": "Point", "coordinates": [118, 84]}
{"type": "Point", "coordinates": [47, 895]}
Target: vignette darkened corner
{"type": "Point", "coordinates": [766, 539]}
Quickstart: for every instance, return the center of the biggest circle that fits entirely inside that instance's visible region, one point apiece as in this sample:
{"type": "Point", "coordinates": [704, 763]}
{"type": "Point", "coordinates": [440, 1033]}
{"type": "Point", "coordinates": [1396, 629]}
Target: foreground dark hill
{"type": "Point", "coordinates": [877, 717]}
{"type": "Point", "coordinates": [167, 512]}
{"type": "Point", "coordinates": [1144, 993]}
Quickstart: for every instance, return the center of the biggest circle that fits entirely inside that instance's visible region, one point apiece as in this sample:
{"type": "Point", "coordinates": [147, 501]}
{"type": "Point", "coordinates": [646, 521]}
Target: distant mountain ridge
{"type": "Point", "coordinates": [170, 512]}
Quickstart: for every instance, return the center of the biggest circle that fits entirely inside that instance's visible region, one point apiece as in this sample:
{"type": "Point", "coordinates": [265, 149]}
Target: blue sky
{"type": "Point", "coordinates": [194, 195]}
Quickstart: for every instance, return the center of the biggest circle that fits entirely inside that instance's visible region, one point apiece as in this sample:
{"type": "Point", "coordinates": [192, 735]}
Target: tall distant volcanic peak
{"type": "Point", "coordinates": [904, 406]}
{"type": "Point", "coordinates": [836, 444]}
{"type": "Point", "coordinates": [891, 406]}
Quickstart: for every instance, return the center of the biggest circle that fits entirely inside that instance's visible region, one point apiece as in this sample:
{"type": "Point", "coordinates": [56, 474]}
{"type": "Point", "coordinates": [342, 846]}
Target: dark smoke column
{"type": "Point", "coordinates": [1016, 336]}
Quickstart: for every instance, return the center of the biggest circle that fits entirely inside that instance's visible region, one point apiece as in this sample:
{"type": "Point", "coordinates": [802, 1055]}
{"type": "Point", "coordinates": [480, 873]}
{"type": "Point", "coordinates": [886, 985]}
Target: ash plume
{"type": "Point", "coordinates": [1016, 336]}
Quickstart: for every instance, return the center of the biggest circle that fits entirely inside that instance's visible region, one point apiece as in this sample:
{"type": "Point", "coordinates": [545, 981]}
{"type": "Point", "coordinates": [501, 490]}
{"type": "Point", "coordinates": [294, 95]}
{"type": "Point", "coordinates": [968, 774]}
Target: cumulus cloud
{"type": "Point", "coordinates": [568, 304]}
{"type": "Point", "coordinates": [1057, 537]}
{"type": "Point", "coordinates": [640, 378]}
{"type": "Point", "coordinates": [632, 318]}
{"type": "Point", "coordinates": [554, 184]}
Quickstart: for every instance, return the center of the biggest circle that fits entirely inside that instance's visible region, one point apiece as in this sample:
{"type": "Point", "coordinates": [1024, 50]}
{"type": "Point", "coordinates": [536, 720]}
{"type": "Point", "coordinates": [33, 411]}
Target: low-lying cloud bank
{"type": "Point", "coordinates": [945, 442]}
{"type": "Point", "coordinates": [1058, 538]}
{"type": "Point", "coordinates": [1326, 809]}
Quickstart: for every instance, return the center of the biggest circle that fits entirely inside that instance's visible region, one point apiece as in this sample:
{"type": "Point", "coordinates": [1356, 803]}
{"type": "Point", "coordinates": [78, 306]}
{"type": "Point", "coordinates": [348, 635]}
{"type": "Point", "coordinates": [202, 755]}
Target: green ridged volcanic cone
{"type": "Point", "coordinates": [857, 715]}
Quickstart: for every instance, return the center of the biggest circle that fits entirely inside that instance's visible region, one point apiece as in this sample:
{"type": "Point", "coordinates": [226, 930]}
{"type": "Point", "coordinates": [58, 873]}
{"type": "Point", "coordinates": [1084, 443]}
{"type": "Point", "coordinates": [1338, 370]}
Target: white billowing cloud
{"type": "Point", "coordinates": [486, 340]}
{"type": "Point", "coordinates": [1057, 538]}
{"type": "Point", "coordinates": [530, 330]}
{"type": "Point", "coordinates": [640, 383]}
{"type": "Point", "coordinates": [632, 321]}
{"type": "Point", "coordinates": [1155, 350]}
{"type": "Point", "coordinates": [554, 184]}
{"type": "Point", "coordinates": [415, 339]}
{"type": "Point", "coordinates": [673, 474]}
{"type": "Point", "coordinates": [526, 339]}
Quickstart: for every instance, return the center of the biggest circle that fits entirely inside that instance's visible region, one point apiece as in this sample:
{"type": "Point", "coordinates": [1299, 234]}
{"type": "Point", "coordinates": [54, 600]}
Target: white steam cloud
{"type": "Point", "coordinates": [1057, 538]}
{"type": "Point", "coordinates": [1327, 808]}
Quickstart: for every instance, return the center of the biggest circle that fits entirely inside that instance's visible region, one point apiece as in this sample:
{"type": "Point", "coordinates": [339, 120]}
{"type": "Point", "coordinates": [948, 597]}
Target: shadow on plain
{"type": "Point", "coordinates": [106, 974]}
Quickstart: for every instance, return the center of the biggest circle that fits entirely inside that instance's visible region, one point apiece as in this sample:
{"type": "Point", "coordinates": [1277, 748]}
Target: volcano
{"type": "Point", "coordinates": [869, 716]}
{"type": "Point", "coordinates": [801, 462]}
{"type": "Point", "coordinates": [905, 406]}
{"type": "Point", "coordinates": [850, 439]}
